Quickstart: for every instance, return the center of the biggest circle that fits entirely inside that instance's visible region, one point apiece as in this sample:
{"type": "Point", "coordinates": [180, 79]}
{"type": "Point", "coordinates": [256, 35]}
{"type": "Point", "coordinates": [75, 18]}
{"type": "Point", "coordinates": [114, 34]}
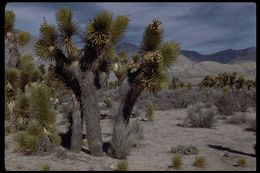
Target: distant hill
{"type": "Point", "coordinates": [225, 56]}
{"type": "Point", "coordinates": [129, 48]}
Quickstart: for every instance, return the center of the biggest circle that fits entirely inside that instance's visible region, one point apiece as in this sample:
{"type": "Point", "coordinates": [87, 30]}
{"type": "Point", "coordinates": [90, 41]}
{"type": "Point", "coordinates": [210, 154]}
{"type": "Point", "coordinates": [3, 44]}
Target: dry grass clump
{"type": "Point", "coordinates": [241, 162]}
{"type": "Point", "coordinates": [122, 165]}
{"type": "Point", "coordinates": [46, 167]}
{"type": "Point", "coordinates": [149, 111]}
{"type": "Point", "coordinates": [177, 161]}
{"type": "Point", "coordinates": [199, 162]}
{"type": "Point", "coordinates": [124, 137]}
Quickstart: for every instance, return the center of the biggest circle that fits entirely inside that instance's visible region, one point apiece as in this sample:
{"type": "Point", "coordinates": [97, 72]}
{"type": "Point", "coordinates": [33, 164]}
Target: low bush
{"type": "Point", "coordinates": [197, 116]}
{"type": "Point", "coordinates": [184, 149]}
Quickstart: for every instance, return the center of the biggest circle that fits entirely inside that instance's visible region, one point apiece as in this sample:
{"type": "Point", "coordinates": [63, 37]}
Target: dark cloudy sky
{"type": "Point", "coordinates": [204, 27]}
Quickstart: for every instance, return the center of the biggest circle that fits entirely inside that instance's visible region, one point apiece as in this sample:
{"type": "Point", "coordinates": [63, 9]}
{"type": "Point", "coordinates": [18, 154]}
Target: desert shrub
{"type": "Point", "coordinates": [177, 161]}
{"type": "Point", "coordinates": [12, 75]}
{"type": "Point", "coordinates": [225, 102]}
{"type": "Point", "coordinates": [241, 162]}
{"type": "Point", "coordinates": [46, 167]}
{"type": "Point", "coordinates": [244, 100]}
{"type": "Point", "coordinates": [122, 165]}
{"type": "Point", "coordinates": [149, 111]}
{"type": "Point", "coordinates": [237, 119]}
{"type": "Point", "coordinates": [124, 137]}
{"type": "Point", "coordinates": [199, 162]}
{"type": "Point", "coordinates": [184, 149]}
{"type": "Point", "coordinates": [199, 117]}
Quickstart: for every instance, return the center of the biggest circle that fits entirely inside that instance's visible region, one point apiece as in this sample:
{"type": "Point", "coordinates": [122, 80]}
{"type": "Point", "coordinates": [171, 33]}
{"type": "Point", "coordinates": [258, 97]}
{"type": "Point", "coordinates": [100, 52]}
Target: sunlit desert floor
{"type": "Point", "coordinates": [222, 146]}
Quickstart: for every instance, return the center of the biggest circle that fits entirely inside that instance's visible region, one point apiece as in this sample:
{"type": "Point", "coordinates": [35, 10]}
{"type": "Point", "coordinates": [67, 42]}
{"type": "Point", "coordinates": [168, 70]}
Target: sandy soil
{"type": "Point", "coordinates": [154, 150]}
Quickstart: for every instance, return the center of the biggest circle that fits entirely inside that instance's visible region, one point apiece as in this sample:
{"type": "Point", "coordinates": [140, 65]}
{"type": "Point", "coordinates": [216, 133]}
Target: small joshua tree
{"type": "Point", "coordinates": [80, 70]}
{"type": "Point", "coordinates": [150, 72]}
{"type": "Point", "coordinates": [14, 39]}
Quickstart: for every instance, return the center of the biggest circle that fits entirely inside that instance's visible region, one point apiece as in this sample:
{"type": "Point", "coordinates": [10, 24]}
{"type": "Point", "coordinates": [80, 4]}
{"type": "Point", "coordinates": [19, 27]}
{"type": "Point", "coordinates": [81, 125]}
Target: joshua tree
{"type": "Point", "coordinates": [80, 70]}
{"type": "Point", "coordinates": [14, 39]}
{"type": "Point", "coordinates": [240, 82]}
{"type": "Point", "coordinates": [150, 73]}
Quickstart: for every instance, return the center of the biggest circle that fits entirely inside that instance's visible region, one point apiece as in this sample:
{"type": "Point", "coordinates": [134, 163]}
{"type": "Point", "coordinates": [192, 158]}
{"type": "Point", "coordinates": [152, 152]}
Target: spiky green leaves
{"type": "Point", "coordinates": [152, 37]}
{"type": "Point", "coordinates": [99, 30]}
{"type": "Point", "coordinates": [119, 26]}
{"type": "Point", "coordinates": [67, 27]}
{"type": "Point", "coordinates": [23, 38]}
{"type": "Point", "coordinates": [170, 52]}
{"type": "Point", "coordinates": [9, 21]}
{"type": "Point", "coordinates": [45, 46]}
{"type": "Point", "coordinates": [41, 105]}
{"type": "Point", "coordinates": [154, 78]}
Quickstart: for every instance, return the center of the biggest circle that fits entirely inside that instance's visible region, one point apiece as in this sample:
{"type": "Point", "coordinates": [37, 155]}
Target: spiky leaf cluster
{"type": "Point", "coordinates": [23, 38]}
{"type": "Point", "coordinates": [99, 30]}
{"type": "Point", "coordinates": [45, 46]}
{"type": "Point", "coordinates": [153, 76]}
{"type": "Point", "coordinates": [67, 27]}
{"type": "Point", "coordinates": [41, 105]}
{"type": "Point", "coordinates": [9, 21]}
{"type": "Point", "coordinates": [152, 37]}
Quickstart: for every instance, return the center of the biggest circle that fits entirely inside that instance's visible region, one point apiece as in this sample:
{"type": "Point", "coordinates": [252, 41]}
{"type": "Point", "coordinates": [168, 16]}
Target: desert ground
{"type": "Point", "coordinates": [222, 146]}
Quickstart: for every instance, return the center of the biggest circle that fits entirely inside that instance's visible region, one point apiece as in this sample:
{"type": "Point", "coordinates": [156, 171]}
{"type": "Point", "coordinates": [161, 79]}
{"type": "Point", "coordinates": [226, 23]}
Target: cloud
{"type": "Point", "coordinates": [205, 27]}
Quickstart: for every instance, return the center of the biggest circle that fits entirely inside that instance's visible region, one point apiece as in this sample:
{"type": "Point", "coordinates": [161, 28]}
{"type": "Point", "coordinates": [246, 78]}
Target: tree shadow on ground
{"type": "Point", "coordinates": [218, 147]}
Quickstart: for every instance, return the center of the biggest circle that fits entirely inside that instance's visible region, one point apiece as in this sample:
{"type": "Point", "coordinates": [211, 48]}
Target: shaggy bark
{"type": "Point", "coordinates": [128, 101]}
{"type": "Point", "coordinates": [13, 52]}
{"type": "Point", "coordinates": [90, 112]}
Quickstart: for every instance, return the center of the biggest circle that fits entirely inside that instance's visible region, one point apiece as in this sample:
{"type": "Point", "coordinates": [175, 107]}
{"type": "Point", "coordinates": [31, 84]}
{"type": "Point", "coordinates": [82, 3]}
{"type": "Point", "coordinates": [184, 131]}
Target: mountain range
{"type": "Point", "coordinates": [228, 56]}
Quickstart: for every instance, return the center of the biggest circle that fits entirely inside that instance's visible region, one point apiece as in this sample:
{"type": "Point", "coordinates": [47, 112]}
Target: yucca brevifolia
{"type": "Point", "coordinates": [240, 82]}
{"type": "Point", "coordinates": [14, 39]}
{"type": "Point", "coordinates": [120, 66]}
{"type": "Point", "coordinates": [81, 71]}
{"type": "Point", "coordinates": [150, 73]}
{"type": "Point", "coordinates": [232, 79]}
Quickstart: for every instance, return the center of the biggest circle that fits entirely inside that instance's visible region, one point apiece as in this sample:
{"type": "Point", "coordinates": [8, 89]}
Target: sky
{"type": "Point", "coordinates": [203, 27]}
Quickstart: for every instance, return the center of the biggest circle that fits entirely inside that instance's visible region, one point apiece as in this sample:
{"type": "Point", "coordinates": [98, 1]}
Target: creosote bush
{"type": "Point", "coordinates": [225, 102]}
{"type": "Point", "coordinates": [199, 162]}
{"type": "Point", "coordinates": [149, 111]}
{"type": "Point", "coordinates": [197, 116]}
{"type": "Point", "coordinates": [122, 165]}
{"type": "Point", "coordinates": [177, 161]}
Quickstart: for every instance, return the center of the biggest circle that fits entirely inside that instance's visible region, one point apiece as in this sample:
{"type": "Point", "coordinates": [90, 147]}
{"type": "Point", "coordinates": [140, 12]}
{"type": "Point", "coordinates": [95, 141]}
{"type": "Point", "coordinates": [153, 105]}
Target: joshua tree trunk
{"type": "Point", "coordinates": [13, 52]}
{"type": "Point", "coordinates": [128, 101]}
{"type": "Point", "coordinates": [90, 112]}
{"type": "Point", "coordinates": [76, 135]}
